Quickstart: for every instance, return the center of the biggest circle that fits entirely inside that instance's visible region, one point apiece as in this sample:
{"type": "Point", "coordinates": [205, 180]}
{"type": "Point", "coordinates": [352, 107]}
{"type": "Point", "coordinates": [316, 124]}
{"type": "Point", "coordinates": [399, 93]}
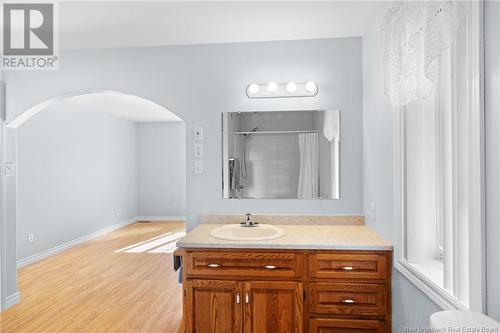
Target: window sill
{"type": "Point", "coordinates": [433, 270]}
{"type": "Point", "coordinates": [417, 274]}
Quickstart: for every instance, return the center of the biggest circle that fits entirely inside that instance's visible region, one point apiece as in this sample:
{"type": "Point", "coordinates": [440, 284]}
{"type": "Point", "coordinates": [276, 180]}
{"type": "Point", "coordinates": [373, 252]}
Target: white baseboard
{"type": "Point", "coordinates": [47, 253]}
{"type": "Point", "coordinates": [161, 218]}
{"type": "Point", "coordinates": [12, 300]}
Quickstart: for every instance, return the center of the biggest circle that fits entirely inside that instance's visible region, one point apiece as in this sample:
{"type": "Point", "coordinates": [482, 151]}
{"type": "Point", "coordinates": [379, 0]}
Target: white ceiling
{"type": "Point", "coordinates": [110, 24]}
{"type": "Point", "coordinates": [124, 106]}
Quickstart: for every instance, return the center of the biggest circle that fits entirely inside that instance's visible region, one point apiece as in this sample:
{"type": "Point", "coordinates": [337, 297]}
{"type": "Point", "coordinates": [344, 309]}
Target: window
{"type": "Point", "coordinates": [428, 180]}
{"type": "Point", "coordinates": [439, 179]}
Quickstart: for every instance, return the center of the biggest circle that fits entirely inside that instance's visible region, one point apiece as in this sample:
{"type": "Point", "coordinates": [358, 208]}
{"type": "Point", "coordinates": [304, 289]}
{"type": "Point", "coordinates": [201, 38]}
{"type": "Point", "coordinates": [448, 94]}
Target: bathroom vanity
{"type": "Point", "coordinates": [315, 278]}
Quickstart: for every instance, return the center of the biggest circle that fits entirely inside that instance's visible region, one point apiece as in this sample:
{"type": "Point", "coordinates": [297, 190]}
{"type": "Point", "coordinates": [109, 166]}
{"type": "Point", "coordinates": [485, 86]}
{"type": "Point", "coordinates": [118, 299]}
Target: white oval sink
{"type": "Point", "coordinates": [238, 233]}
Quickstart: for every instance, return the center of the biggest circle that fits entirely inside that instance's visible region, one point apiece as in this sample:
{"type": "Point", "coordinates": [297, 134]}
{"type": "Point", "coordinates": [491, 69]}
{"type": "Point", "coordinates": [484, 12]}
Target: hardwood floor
{"type": "Point", "coordinates": [121, 282]}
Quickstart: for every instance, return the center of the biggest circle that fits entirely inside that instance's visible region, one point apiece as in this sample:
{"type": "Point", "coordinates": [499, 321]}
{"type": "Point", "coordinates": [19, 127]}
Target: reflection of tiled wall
{"type": "Point", "coordinates": [273, 166]}
{"type": "Point", "coordinates": [285, 219]}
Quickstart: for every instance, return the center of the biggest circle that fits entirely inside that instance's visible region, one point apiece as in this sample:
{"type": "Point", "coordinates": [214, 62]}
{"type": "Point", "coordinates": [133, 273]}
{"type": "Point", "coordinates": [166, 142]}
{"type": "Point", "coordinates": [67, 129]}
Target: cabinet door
{"type": "Point", "coordinates": [273, 307]}
{"type": "Point", "coordinates": [213, 307]}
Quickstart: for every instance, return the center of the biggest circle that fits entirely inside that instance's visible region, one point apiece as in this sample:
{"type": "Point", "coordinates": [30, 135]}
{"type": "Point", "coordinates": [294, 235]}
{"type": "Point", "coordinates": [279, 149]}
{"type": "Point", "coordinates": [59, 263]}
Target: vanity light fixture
{"type": "Point", "coordinates": [276, 90]}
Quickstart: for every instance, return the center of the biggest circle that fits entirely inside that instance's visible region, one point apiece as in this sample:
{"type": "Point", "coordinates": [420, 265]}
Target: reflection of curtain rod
{"type": "Point", "coordinates": [276, 132]}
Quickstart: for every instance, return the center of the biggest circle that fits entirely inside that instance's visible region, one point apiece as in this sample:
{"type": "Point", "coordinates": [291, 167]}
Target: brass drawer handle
{"type": "Point", "coordinates": [348, 301]}
{"type": "Point", "coordinates": [348, 268]}
{"type": "Point", "coordinates": [270, 267]}
{"type": "Point", "coordinates": [237, 298]}
{"type": "Point", "coordinates": [213, 265]}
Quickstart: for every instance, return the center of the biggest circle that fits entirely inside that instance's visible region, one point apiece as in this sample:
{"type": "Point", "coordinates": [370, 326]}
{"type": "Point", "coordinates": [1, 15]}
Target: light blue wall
{"type": "Point", "coordinates": [65, 156]}
{"type": "Point", "coordinates": [162, 169]}
{"type": "Point", "coordinates": [377, 140]}
{"type": "Point", "coordinates": [199, 82]}
{"type": "Point", "coordinates": [9, 279]}
{"type": "Point", "coordinates": [492, 122]}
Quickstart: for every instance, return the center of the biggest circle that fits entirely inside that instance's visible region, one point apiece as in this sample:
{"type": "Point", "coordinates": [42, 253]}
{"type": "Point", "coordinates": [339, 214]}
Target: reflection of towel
{"type": "Point", "coordinates": [234, 174]}
{"type": "Point", "coordinates": [330, 124]}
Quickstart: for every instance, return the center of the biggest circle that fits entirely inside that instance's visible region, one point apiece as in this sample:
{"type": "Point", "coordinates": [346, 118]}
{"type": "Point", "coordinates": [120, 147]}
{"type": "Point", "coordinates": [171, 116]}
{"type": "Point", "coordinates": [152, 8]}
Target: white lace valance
{"type": "Point", "coordinates": [414, 35]}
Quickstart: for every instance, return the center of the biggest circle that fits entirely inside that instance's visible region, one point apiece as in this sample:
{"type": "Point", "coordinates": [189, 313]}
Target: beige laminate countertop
{"type": "Point", "coordinates": [312, 237]}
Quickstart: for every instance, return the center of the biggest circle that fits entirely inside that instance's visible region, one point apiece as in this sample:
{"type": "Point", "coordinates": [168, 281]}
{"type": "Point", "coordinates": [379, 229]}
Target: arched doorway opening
{"type": "Point", "coordinates": [63, 137]}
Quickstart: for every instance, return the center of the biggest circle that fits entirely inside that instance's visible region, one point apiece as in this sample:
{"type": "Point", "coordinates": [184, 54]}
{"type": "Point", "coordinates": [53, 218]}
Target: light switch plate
{"type": "Point", "coordinates": [198, 133]}
{"type": "Point", "coordinates": [198, 150]}
{"type": "Point", "coordinates": [198, 167]}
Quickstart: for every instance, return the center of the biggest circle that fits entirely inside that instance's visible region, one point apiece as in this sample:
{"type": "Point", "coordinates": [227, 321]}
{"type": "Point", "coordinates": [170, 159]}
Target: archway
{"type": "Point", "coordinates": [82, 96]}
{"type": "Point", "coordinates": [32, 111]}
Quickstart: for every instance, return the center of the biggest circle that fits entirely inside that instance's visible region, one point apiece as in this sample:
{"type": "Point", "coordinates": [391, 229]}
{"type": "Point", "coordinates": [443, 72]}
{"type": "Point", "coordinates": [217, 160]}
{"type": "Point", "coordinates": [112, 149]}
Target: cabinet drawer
{"type": "Point", "coordinates": [348, 299]}
{"type": "Point", "coordinates": [245, 264]}
{"type": "Point", "coordinates": [346, 326]}
{"type": "Point", "coordinates": [348, 266]}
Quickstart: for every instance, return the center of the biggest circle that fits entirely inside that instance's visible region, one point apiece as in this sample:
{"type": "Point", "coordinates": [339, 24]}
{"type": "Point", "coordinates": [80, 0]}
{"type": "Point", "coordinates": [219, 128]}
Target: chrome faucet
{"type": "Point", "coordinates": [248, 222]}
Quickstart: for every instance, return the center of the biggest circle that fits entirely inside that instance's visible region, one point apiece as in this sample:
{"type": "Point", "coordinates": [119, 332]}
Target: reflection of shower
{"type": "Point", "coordinates": [244, 171]}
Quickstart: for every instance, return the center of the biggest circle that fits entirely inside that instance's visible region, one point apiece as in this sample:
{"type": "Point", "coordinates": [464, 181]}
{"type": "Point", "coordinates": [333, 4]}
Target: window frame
{"type": "Point", "coordinates": [473, 134]}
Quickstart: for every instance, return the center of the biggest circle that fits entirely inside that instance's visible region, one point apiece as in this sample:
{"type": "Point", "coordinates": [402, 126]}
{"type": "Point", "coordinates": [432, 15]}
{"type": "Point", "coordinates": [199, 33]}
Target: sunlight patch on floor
{"type": "Point", "coordinates": [162, 244]}
{"type": "Point", "coordinates": [167, 248]}
{"type": "Point", "coordinates": [143, 242]}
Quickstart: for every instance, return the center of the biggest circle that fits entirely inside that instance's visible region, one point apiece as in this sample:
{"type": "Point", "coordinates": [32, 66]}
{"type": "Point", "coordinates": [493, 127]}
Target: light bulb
{"type": "Point", "coordinates": [311, 87]}
{"type": "Point", "coordinates": [291, 87]}
{"type": "Point", "coordinates": [272, 87]}
{"type": "Point", "coordinates": [253, 89]}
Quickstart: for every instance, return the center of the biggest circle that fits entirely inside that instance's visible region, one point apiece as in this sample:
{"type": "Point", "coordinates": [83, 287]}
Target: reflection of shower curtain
{"type": "Point", "coordinates": [308, 178]}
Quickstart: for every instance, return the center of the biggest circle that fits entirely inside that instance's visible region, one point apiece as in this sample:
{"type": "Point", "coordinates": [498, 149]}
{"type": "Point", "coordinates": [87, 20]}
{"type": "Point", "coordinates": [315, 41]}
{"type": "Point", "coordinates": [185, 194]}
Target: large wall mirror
{"type": "Point", "coordinates": [281, 154]}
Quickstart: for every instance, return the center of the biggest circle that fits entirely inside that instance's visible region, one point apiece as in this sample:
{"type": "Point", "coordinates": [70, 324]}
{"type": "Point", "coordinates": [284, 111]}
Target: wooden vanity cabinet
{"type": "Point", "coordinates": [265, 291]}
